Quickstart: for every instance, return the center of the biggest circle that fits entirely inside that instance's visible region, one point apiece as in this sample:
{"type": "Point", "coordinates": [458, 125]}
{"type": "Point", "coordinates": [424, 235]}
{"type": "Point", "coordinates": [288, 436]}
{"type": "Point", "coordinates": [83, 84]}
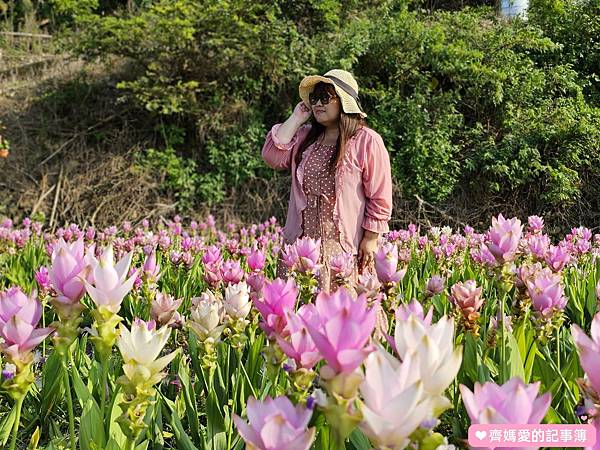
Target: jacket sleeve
{"type": "Point", "coordinates": [278, 155]}
{"type": "Point", "coordinates": [377, 185]}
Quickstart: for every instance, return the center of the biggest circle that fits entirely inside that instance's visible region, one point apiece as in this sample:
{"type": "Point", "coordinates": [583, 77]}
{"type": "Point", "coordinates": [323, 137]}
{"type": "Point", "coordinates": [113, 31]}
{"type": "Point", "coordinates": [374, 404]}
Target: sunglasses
{"type": "Point", "coordinates": [324, 96]}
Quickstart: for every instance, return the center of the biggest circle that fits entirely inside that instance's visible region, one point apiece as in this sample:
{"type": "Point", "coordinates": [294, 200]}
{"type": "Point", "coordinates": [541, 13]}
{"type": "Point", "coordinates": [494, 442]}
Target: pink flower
{"type": "Point", "coordinates": [386, 263]}
{"type": "Point", "coordinates": [275, 424]}
{"type": "Point", "coordinates": [279, 296]}
{"type": "Point", "coordinates": [557, 257]}
{"type": "Point", "coordinates": [289, 256]}
{"type": "Point", "coordinates": [345, 329]}
{"type": "Point", "coordinates": [369, 285]}
{"type": "Point", "coordinates": [256, 260]}
{"type": "Point", "coordinates": [546, 292]}
{"type": "Point", "coordinates": [467, 296]}
{"type": "Point", "coordinates": [151, 268]}
{"type": "Point", "coordinates": [298, 344]}
{"type": "Point", "coordinates": [212, 274]}
{"type": "Point", "coordinates": [538, 245]}
{"type": "Point", "coordinates": [232, 272]}
{"type": "Point", "coordinates": [66, 271]}
{"type": "Point", "coordinates": [212, 255]}
{"type": "Point", "coordinates": [513, 402]}
{"type": "Point", "coordinates": [414, 308]}
{"type": "Point", "coordinates": [342, 265]}
{"type": "Point", "coordinates": [589, 351]}
{"type": "Point", "coordinates": [19, 316]}
{"type": "Point", "coordinates": [503, 238]}
{"type": "Point", "coordinates": [435, 285]}
{"type": "Point", "coordinates": [536, 224]}
{"type": "Point", "coordinates": [42, 277]}
{"type": "Point", "coordinates": [164, 307]}
{"type": "Point", "coordinates": [308, 251]}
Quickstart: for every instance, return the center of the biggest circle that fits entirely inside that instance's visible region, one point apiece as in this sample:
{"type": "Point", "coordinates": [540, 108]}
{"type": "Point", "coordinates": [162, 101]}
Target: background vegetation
{"type": "Point", "coordinates": [174, 97]}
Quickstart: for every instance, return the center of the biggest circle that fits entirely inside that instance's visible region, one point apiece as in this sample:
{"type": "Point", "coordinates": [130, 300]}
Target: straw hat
{"type": "Point", "coordinates": [345, 86]}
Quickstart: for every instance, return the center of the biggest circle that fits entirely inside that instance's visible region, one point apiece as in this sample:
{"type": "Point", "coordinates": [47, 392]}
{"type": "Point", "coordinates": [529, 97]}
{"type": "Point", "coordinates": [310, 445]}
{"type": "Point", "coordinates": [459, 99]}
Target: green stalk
{"type": "Point", "coordinates": [103, 385]}
{"type": "Point", "coordinates": [15, 430]}
{"type": "Point", "coordinates": [130, 445]}
{"type": "Point", "coordinates": [69, 404]}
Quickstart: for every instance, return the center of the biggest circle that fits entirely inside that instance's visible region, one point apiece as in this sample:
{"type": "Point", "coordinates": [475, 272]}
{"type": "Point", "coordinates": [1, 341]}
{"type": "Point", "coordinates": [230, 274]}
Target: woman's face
{"type": "Point", "coordinates": [326, 114]}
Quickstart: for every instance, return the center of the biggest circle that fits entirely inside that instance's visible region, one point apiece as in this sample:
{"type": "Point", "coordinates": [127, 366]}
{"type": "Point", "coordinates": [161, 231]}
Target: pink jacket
{"type": "Point", "coordinates": [363, 185]}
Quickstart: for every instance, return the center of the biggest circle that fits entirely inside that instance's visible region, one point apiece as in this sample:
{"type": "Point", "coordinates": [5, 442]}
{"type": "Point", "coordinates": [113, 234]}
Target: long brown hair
{"type": "Point", "coordinates": [348, 125]}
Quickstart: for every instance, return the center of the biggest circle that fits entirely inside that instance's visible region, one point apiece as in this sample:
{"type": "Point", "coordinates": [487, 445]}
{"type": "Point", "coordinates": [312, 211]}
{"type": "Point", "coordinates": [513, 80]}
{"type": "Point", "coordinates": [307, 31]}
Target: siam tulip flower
{"type": "Point", "coordinates": [256, 260]}
{"type": "Point", "coordinates": [369, 285]}
{"type": "Point", "coordinates": [164, 308]}
{"type": "Point", "coordinates": [546, 292]}
{"type": "Point", "coordinates": [67, 273]}
{"type": "Point", "coordinates": [206, 316]}
{"type": "Point", "coordinates": [443, 360]}
{"type": "Point", "coordinates": [279, 296]}
{"type": "Point", "coordinates": [289, 256]}
{"type": "Point", "coordinates": [435, 285]}
{"type": "Point", "coordinates": [42, 277]}
{"type": "Point", "coordinates": [386, 263]}
{"type": "Point", "coordinates": [256, 282]}
{"type": "Point", "coordinates": [536, 224]}
{"type": "Point", "coordinates": [395, 402]}
{"type": "Point", "coordinates": [142, 369]}
{"type": "Point", "coordinates": [538, 245]}
{"type": "Point", "coordinates": [514, 402]}
{"type": "Point", "coordinates": [298, 344]}
{"type": "Point", "coordinates": [308, 251]}
{"type": "Point", "coordinates": [151, 268]}
{"type": "Point", "coordinates": [275, 424]}
{"type": "Point", "coordinates": [467, 296]}
{"type": "Point", "coordinates": [414, 308]}
{"type": "Point", "coordinates": [19, 316]}
{"type": "Point", "coordinates": [212, 274]}
{"type": "Point", "coordinates": [232, 272]}
{"type": "Point", "coordinates": [557, 257]}
{"type": "Point", "coordinates": [503, 238]}
{"type": "Point", "coordinates": [342, 265]}
{"type": "Point", "coordinates": [237, 300]}
{"type": "Point", "coordinates": [111, 285]}
{"type": "Point", "coordinates": [589, 351]}
{"type": "Point", "coordinates": [212, 255]}
{"type": "Point", "coordinates": [526, 273]}
{"type": "Point", "coordinates": [345, 328]}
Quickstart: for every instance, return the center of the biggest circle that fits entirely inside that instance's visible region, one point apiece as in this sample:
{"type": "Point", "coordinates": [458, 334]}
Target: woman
{"type": "Point", "coordinates": [341, 177]}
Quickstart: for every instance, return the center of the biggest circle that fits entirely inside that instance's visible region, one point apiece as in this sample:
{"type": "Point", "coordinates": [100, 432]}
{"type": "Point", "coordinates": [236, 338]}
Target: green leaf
{"type": "Point", "coordinates": [515, 363]}
{"type": "Point", "coordinates": [6, 426]}
{"type": "Point", "coordinates": [53, 386]}
{"type": "Point", "coordinates": [91, 430]}
{"type": "Point", "coordinates": [359, 440]}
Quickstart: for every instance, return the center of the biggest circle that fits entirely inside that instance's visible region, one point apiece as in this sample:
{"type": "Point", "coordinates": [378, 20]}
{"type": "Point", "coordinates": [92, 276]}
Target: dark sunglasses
{"type": "Point", "coordinates": [324, 96]}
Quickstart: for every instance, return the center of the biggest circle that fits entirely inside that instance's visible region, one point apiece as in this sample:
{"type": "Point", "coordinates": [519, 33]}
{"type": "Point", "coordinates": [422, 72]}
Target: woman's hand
{"type": "Point", "coordinates": [301, 113]}
{"type": "Point", "coordinates": [366, 250]}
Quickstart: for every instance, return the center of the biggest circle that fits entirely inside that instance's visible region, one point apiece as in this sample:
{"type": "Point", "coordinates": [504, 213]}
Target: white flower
{"type": "Point", "coordinates": [237, 300]}
{"type": "Point", "coordinates": [438, 359]}
{"type": "Point", "coordinates": [206, 315]}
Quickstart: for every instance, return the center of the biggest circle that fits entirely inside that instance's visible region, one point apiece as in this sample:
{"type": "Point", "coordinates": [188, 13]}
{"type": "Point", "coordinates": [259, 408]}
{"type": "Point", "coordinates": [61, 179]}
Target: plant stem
{"type": "Point", "coordinates": [130, 445]}
{"type": "Point", "coordinates": [503, 343]}
{"type": "Point", "coordinates": [15, 431]}
{"type": "Point", "coordinates": [104, 383]}
{"type": "Point", "coordinates": [69, 404]}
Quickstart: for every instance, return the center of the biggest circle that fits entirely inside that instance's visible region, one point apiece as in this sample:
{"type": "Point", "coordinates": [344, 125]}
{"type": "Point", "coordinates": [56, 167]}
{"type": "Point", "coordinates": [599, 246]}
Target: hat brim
{"type": "Point", "coordinates": [349, 105]}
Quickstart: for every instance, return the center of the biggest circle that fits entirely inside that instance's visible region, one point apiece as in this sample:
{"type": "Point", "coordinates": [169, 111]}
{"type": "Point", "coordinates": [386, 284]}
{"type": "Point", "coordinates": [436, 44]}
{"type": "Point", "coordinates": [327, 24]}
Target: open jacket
{"type": "Point", "coordinates": [363, 185]}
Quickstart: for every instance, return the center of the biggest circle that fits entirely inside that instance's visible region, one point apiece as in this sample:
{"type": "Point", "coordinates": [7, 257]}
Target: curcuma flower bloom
{"type": "Point", "coordinates": [111, 283]}
{"type": "Point", "coordinates": [307, 251]}
{"type": "Point", "coordinates": [237, 300]}
{"type": "Point", "coordinates": [386, 263]}
{"type": "Point", "coordinates": [19, 316]}
{"type": "Point", "coordinates": [513, 402]}
{"type": "Point", "coordinates": [298, 344]}
{"type": "Point", "coordinates": [395, 402]}
{"type": "Point", "coordinates": [275, 424]}
{"type": "Point", "coordinates": [589, 351]}
{"type": "Point", "coordinates": [206, 317]}
{"type": "Point", "coordinates": [546, 292]}
{"type": "Point", "coordinates": [278, 297]}
{"type": "Point", "coordinates": [345, 328]}
{"type": "Point", "coordinates": [67, 273]}
{"type": "Point", "coordinates": [503, 238]}
{"type": "Point", "coordinates": [164, 308]}
{"type": "Point", "coordinates": [467, 297]}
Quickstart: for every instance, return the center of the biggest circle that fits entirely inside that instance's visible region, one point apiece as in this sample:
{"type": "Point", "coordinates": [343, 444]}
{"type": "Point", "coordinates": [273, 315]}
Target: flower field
{"type": "Point", "coordinates": [179, 335]}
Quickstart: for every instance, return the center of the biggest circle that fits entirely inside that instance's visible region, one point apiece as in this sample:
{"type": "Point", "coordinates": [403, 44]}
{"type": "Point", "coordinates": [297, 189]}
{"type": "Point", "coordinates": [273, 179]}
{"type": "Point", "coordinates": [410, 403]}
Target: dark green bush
{"type": "Point", "coordinates": [464, 101]}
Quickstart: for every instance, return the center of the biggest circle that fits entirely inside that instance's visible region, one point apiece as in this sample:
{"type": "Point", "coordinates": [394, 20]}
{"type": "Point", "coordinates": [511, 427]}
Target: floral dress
{"type": "Point", "coordinates": [317, 218]}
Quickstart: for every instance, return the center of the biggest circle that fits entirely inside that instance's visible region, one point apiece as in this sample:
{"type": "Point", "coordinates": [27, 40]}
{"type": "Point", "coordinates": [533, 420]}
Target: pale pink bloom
{"type": "Point", "coordinates": [369, 285]}
{"type": "Point", "coordinates": [404, 311]}
{"type": "Point", "coordinates": [67, 270]}
{"type": "Point", "coordinates": [298, 344]}
{"type": "Point", "coordinates": [237, 300]}
{"type": "Point", "coordinates": [151, 268]}
{"type": "Point", "coordinates": [386, 264]}
{"type": "Point", "coordinates": [546, 292]}
{"type": "Point", "coordinates": [536, 224]}
{"type": "Point", "coordinates": [589, 351]}
{"type": "Point", "coordinates": [308, 251]}
{"type": "Point", "coordinates": [467, 296]}
{"type": "Point", "coordinates": [164, 307]}
{"type": "Point", "coordinates": [435, 285]}
{"type": "Point", "coordinates": [342, 265]}
{"type": "Point", "coordinates": [256, 260]}
{"type": "Point", "coordinates": [206, 316]}
{"type": "Point", "coordinates": [538, 245]}
{"type": "Point", "coordinates": [19, 316]}
{"type": "Point", "coordinates": [512, 403]}
{"type": "Point", "coordinates": [557, 257]}
{"type": "Point", "coordinates": [345, 329]}
{"type": "Point", "coordinates": [275, 424]}
{"type": "Point", "coordinates": [503, 238]}
{"type": "Point", "coordinates": [232, 272]}
{"type": "Point", "coordinates": [110, 279]}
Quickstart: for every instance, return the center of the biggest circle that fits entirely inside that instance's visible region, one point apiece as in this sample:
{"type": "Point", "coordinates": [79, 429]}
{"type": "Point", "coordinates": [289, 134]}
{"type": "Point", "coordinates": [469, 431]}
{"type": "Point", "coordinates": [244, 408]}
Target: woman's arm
{"type": "Point", "coordinates": [281, 140]}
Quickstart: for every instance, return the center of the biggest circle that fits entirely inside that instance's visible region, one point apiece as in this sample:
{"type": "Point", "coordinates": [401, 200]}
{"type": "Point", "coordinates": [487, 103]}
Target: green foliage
{"type": "Point", "coordinates": [464, 101]}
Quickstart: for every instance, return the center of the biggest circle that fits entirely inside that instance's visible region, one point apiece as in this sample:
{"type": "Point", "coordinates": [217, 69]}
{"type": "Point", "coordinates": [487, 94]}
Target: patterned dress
{"type": "Point", "coordinates": [317, 218]}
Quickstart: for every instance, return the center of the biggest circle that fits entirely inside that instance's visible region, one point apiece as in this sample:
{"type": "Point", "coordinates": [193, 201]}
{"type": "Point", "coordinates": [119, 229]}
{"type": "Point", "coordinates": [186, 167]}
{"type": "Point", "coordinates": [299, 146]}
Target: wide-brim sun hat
{"type": "Point", "coordinates": [345, 87]}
